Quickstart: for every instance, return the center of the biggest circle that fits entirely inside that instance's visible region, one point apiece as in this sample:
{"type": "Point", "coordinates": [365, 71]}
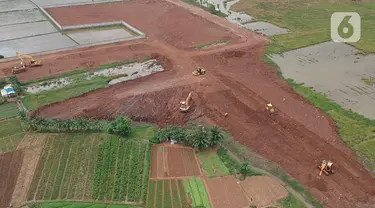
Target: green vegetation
{"type": "Point", "coordinates": [211, 44]}
{"type": "Point", "coordinates": [90, 167]}
{"type": "Point", "coordinates": [65, 204]}
{"type": "Point", "coordinates": [151, 194]}
{"type": "Point", "coordinates": [197, 192]}
{"type": "Point", "coordinates": [159, 194]}
{"type": "Point", "coordinates": [309, 24]}
{"type": "Point", "coordinates": [291, 202]}
{"type": "Point", "coordinates": [245, 154]}
{"type": "Point", "coordinates": [121, 126]}
{"type": "Point", "coordinates": [18, 89]}
{"type": "Point", "coordinates": [369, 81]}
{"type": "Point", "coordinates": [210, 8]}
{"type": "Point", "coordinates": [80, 85]}
{"type": "Point", "coordinates": [235, 167]}
{"type": "Point", "coordinates": [173, 193]}
{"type": "Point", "coordinates": [8, 110]}
{"type": "Point", "coordinates": [355, 130]}
{"type": "Point", "coordinates": [146, 132]}
{"type": "Point", "coordinates": [194, 135]}
{"type": "Point", "coordinates": [212, 164]}
{"type": "Point", "coordinates": [11, 134]}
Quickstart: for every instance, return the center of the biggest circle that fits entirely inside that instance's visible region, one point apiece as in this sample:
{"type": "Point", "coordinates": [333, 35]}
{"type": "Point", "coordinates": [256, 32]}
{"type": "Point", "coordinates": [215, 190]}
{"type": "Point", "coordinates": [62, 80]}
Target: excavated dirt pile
{"type": "Point", "coordinates": [236, 82]}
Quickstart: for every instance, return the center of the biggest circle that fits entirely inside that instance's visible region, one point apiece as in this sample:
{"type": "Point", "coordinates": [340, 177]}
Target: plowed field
{"type": "Point", "coordinates": [236, 82]}
{"type": "Point", "coordinates": [10, 164]}
{"type": "Point", "coordinates": [171, 161]}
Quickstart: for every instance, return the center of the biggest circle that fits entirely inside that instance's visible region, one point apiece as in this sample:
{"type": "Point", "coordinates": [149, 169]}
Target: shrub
{"type": "Point", "coordinates": [121, 126]}
{"type": "Point", "coordinates": [3, 100]}
{"type": "Point", "coordinates": [16, 85]}
{"type": "Point", "coordinates": [3, 82]}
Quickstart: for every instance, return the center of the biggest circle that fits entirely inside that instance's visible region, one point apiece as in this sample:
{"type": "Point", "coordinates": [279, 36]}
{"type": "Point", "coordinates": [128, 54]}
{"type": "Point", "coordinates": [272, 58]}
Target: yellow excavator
{"type": "Point", "coordinates": [270, 108]}
{"type": "Point", "coordinates": [326, 167]}
{"type": "Point", "coordinates": [199, 71]}
{"type": "Point", "coordinates": [184, 104]}
{"type": "Point", "coordinates": [26, 61]}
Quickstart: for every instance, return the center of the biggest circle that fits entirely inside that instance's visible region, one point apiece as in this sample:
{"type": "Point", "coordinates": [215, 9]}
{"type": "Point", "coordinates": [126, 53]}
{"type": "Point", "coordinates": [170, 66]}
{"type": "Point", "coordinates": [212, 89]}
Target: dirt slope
{"type": "Point", "coordinates": [237, 83]}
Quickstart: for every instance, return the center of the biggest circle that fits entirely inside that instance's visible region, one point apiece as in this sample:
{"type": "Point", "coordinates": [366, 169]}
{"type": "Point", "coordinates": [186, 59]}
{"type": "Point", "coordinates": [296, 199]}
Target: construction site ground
{"type": "Point", "coordinates": [236, 82]}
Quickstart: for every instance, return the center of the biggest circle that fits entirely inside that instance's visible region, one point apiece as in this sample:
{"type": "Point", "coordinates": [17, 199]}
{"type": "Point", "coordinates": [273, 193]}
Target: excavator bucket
{"type": "Point", "coordinates": [326, 167]}
{"type": "Point", "coordinates": [199, 71]}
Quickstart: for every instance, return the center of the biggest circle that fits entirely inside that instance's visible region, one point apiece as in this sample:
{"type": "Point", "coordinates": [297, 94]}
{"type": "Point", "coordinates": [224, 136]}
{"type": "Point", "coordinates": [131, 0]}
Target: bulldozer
{"type": "Point", "coordinates": [199, 71]}
{"type": "Point", "coordinates": [184, 104]}
{"type": "Point", "coordinates": [326, 167]}
{"type": "Point", "coordinates": [26, 61]}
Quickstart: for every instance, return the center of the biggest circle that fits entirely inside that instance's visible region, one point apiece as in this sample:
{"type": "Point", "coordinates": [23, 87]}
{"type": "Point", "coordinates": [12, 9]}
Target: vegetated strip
{"type": "Point", "coordinates": [47, 169]}
{"type": "Point", "coordinates": [183, 194]}
{"type": "Point", "coordinates": [112, 167]}
{"type": "Point", "coordinates": [54, 168]}
{"type": "Point", "coordinates": [98, 170]}
{"type": "Point", "coordinates": [202, 192]}
{"type": "Point", "coordinates": [68, 204]}
{"type": "Point", "coordinates": [146, 170]}
{"type": "Point", "coordinates": [207, 166]}
{"type": "Point", "coordinates": [74, 176]}
{"type": "Point", "coordinates": [176, 199]}
{"type": "Point", "coordinates": [189, 191]}
{"type": "Point", "coordinates": [140, 169]}
{"type": "Point", "coordinates": [119, 169]}
{"type": "Point", "coordinates": [82, 171]}
{"type": "Point", "coordinates": [220, 168]}
{"type": "Point", "coordinates": [92, 170]}
{"type": "Point", "coordinates": [39, 171]}
{"type": "Point", "coordinates": [69, 171]}
{"type": "Point", "coordinates": [105, 168]}
{"type": "Point", "coordinates": [62, 167]}
{"type": "Point", "coordinates": [195, 192]}
{"type": "Point", "coordinates": [159, 194]}
{"type": "Point", "coordinates": [132, 191]}
{"type": "Point", "coordinates": [151, 194]}
{"type": "Point", "coordinates": [167, 195]}
{"type": "Point", "coordinates": [126, 171]}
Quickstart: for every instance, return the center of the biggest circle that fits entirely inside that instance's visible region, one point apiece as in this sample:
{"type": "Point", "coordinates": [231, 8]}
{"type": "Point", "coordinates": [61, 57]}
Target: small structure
{"type": "Point", "coordinates": [8, 91]}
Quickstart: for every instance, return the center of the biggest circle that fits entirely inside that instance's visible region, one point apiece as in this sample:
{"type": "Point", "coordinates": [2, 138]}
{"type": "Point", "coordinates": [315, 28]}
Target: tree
{"type": "Point", "coordinates": [121, 126]}
{"type": "Point", "coordinates": [216, 136]}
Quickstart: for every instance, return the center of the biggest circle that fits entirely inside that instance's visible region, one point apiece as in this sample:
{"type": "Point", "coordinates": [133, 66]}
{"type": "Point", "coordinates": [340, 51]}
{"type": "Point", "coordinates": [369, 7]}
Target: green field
{"type": "Point", "coordinates": [166, 193]}
{"type": "Point", "coordinates": [212, 164]}
{"type": "Point", "coordinates": [90, 167]}
{"type": "Point", "coordinates": [291, 202]}
{"type": "Point", "coordinates": [80, 85]}
{"type": "Point", "coordinates": [11, 134]}
{"type": "Point", "coordinates": [196, 192]}
{"type": "Point", "coordinates": [309, 23]}
{"type": "Point", "coordinates": [8, 110]}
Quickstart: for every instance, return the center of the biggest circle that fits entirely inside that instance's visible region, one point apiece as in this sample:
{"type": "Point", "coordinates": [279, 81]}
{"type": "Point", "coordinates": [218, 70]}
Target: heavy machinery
{"type": "Point", "coordinates": [270, 108]}
{"type": "Point", "coordinates": [26, 61]}
{"type": "Point", "coordinates": [184, 104]}
{"type": "Point", "coordinates": [199, 71]}
{"type": "Point", "coordinates": [326, 167]}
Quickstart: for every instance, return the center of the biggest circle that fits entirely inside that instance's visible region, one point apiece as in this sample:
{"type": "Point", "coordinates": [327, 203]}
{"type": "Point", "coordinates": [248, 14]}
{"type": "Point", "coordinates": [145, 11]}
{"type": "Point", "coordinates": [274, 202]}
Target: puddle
{"type": "Point", "coordinates": [49, 85]}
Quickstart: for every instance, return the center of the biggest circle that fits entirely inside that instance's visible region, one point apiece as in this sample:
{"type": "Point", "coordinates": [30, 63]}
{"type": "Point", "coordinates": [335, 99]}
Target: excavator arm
{"type": "Point", "coordinates": [184, 105]}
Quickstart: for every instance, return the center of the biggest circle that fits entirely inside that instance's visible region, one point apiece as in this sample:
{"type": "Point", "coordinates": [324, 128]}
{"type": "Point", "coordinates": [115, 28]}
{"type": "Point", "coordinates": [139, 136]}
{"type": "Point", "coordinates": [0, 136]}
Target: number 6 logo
{"type": "Point", "coordinates": [345, 27]}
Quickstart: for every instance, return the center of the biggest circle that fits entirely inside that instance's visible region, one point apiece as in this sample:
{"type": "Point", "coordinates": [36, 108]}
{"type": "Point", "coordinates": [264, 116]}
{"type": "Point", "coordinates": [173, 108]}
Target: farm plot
{"type": "Point", "coordinates": [173, 161]}
{"type": "Point", "coordinates": [11, 134]}
{"type": "Point", "coordinates": [197, 192]}
{"type": "Point", "coordinates": [10, 164]}
{"type": "Point", "coordinates": [172, 193]}
{"type": "Point", "coordinates": [263, 190]}
{"type": "Point", "coordinates": [8, 110]}
{"type": "Point", "coordinates": [225, 192]}
{"type": "Point", "coordinates": [212, 165]}
{"type": "Point", "coordinates": [89, 167]}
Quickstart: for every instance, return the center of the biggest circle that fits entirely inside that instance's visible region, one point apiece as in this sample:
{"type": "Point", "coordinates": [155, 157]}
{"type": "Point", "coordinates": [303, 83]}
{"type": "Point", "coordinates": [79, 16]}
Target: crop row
{"type": "Point", "coordinates": [125, 171]}
{"type": "Point", "coordinates": [92, 170]}
{"type": "Point", "coordinates": [197, 192]}
{"type": "Point", "coordinates": [119, 171]}
{"type": "Point", "coordinates": [167, 193]}
{"type": "Point", "coordinates": [104, 169]}
{"type": "Point", "coordinates": [112, 167]}
{"type": "Point", "coordinates": [133, 172]}
{"type": "Point", "coordinates": [99, 162]}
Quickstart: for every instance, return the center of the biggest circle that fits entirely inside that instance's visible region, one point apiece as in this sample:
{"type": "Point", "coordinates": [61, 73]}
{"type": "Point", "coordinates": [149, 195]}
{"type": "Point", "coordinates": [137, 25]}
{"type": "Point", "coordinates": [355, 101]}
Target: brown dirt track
{"type": "Point", "coordinates": [10, 164]}
{"type": "Point", "coordinates": [237, 82]}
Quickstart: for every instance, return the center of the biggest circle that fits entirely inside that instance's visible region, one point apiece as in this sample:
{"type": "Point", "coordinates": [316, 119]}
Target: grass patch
{"type": "Point", "coordinates": [369, 81]}
{"type": "Point", "coordinates": [143, 132]}
{"type": "Point", "coordinates": [211, 44]}
{"type": "Point", "coordinates": [11, 134]}
{"type": "Point", "coordinates": [210, 8]}
{"type": "Point", "coordinates": [291, 202]}
{"type": "Point", "coordinates": [212, 164]}
{"type": "Point", "coordinates": [309, 24]}
{"type": "Point", "coordinates": [8, 110]}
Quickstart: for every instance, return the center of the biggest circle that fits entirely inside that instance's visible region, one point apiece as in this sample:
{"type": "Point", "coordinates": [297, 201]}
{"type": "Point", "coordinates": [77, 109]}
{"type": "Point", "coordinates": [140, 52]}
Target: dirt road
{"type": "Point", "coordinates": [237, 83]}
